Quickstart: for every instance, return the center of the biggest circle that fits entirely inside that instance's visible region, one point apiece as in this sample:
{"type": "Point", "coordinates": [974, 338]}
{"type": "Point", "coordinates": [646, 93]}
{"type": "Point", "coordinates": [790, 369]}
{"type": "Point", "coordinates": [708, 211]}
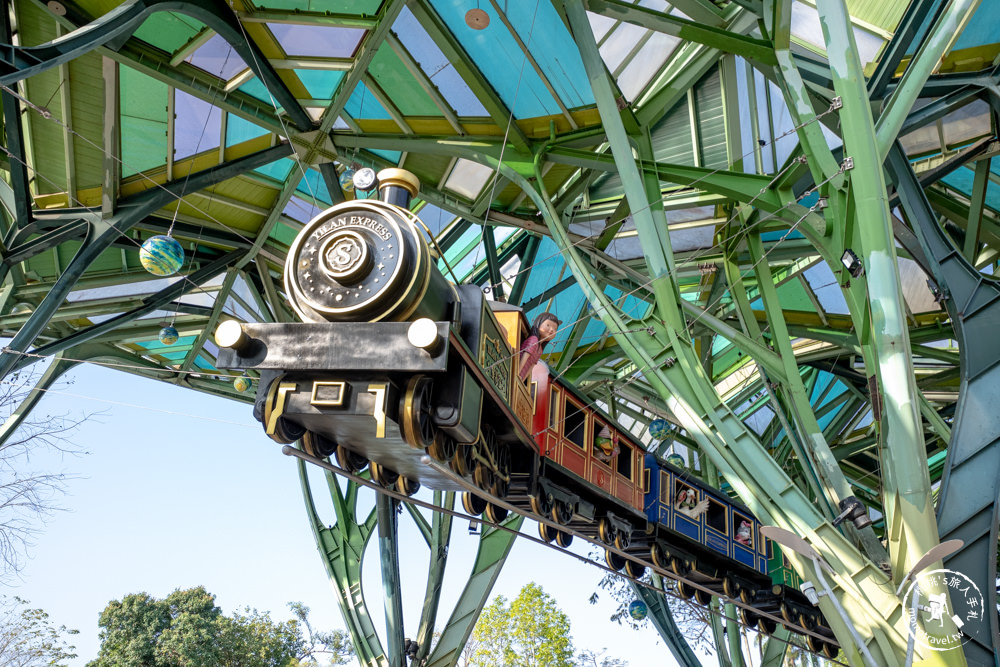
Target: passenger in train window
{"type": "Point", "coordinates": [543, 330]}
{"type": "Point", "coordinates": [604, 448]}
{"type": "Point", "coordinates": [687, 503]}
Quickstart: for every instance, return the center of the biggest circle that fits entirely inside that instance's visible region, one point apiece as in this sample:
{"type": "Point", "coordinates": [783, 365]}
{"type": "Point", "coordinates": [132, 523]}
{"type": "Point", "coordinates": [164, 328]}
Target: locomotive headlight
{"type": "Point", "coordinates": [230, 334]}
{"type": "Point", "coordinates": [365, 180]}
{"type": "Point", "coordinates": [423, 334]}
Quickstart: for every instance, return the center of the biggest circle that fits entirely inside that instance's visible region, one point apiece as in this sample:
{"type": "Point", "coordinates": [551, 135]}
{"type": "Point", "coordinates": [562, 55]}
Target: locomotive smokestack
{"type": "Point", "coordinates": [397, 186]}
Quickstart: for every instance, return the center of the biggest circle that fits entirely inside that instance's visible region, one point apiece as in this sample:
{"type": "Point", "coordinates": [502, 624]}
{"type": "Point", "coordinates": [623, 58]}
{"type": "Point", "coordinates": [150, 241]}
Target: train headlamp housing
{"type": "Point", "coordinates": [365, 180]}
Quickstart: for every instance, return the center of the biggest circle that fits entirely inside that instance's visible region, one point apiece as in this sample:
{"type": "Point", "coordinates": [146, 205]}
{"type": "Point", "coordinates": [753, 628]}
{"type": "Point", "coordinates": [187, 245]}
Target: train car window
{"type": "Point", "coordinates": [685, 499]}
{"type": "Point", "coordinates": [769, 546]}
{"type": "Point", "coordinates": [743, 529]}
{"type": "Point", "coordinates": [625, 461]}
{"type": "Point", "coordinates": [575, 424]}
{"type": "Point", "coordinates": [645, 480]}
{"type": "Point", "coordinates": [554, 409]}
{"type": "Point", "coordinates": [664, 487]}
{"type": "Point", "coordinates": [717, 516]}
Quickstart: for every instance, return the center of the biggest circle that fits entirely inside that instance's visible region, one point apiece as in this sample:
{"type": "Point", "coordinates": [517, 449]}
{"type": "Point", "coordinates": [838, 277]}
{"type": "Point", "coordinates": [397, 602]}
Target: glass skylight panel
{"type": "Point", "coordinates": [968, 123]}
{"type": "Point", "coordinates": [467, 178]}
{"type": "Point", "coordinates": [199, 122]}
{"type": "Point", "coordinates": [806, 25]}
{"type": "Point", "coordinates": [620, 44]}
{"type": "Point", "coordinates": [646, 63]}
{"type": "Point", "coordinates": [600, 25]}
{"type": "Point", "coordinates": [826, 287]}
{"type": "Point", "coordinates": [299, 209]}
{"type": "Point", "coordinates": [685, 240]}
{"type": "Point", "coordinates": [317, 41]}
{"type": "Point", "coordinates": [436, 218]}
{"type": "Point", "coordinates": [913, 281]}
{"type": "Point", "coordinates": [434, 64]}
{"type": "Point", "coordinates": [217, 57]}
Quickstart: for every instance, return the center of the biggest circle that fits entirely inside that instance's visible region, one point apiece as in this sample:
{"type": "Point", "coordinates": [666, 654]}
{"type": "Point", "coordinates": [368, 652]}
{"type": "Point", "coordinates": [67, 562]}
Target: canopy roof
{"type": "Point", "coordinates": [248, 114]}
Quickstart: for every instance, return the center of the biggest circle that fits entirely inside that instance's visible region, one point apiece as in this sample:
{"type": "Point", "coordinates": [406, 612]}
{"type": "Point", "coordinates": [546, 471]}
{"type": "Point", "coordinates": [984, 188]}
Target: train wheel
{"type": "Point", "coordinates": [746, 595]}
{"type": "Point", "coordinates": [614, 561]}
{"type": "Point", "coordinates": [634, 570]}
{"type": "Point", "coordinates": [350, 461]}
{"type": "Point", "coordinates": [317, 445]}
{"type": "Point", "coordinates": [483, 476]}
{"type": "Point", "coordinates": [473, 504]}
{"type": "Point", "coordinates": [464, 460]}
{"type": "Point", "coordinates": [415, 413]}
{"type": "Point", "coordinates": [702, 597]}
{"type": "Point", "coordinates": [562, 512]}
{"type": "Point", "coordinates": [730, 587]}
{"type": "Point", "coordinates": [789, 614]}
{"type": "Point", "coordinates": [285, 432]}
{"type": "Point", "coordinates": [685, 590]}
{"type": "Point", "coordinates": [830, 650]}
{"type": "Point", "coordinates": [679, 566]}
{"type": "Point", "coordinates": [495, 514]}
{"type": "Point", "coordinates": [605, 531]}
{"type": "Point", "coordinates": [622, 540]}
{"type": "Point", "coordinates": [407, 486]}
{"type": "Point", "coordinates": [443, 448]}
{"type": "Point", "coordinates": [815, 644]}
{"type": "Point", "coordinates": [547, 533]}
{"type": "Point", "coordinates": [766, 626]}
{"type": "Point", "coordinates": [749, 618]}
{"type": "Point", "coordinates": [541, 505]}
{"type": "Point", "coordinates": [659, 558]}
{"type": "Point", "coordinates": [382, 476]}
{"type": "Point", "coordinates": [501, 480]}
{"type": "Point", "coordinates": [807, 621]}
{"type": "Point", "coordinates": [563, 539]}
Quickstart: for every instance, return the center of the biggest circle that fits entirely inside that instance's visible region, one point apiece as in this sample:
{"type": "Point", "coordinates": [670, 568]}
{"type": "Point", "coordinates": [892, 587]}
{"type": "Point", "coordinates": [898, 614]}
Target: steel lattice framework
{"type": "Point", "coordinates": [774, 223]}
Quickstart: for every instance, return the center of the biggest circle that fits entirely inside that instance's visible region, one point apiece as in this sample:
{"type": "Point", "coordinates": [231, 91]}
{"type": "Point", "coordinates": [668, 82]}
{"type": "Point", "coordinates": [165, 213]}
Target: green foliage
{"type": "Point", "coordinates": [529, 632]}
{"type": "Point", "coordinates": [187, 629]}
{"type": "Point", "coordinates": [27, 637]}
{"type": "Point", "coordinates": [592, 659]}
{"type": "Point", "coordinates": [335, 646]}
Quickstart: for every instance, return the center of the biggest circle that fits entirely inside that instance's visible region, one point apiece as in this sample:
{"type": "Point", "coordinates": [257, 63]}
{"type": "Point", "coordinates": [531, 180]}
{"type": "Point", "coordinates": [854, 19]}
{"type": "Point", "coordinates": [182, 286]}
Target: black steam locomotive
{"type": "Point", "coordinates": [392, 363]}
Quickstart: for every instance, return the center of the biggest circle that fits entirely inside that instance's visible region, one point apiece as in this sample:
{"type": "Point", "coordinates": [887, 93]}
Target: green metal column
{"type": "Point", "coordinates": [388, 549]}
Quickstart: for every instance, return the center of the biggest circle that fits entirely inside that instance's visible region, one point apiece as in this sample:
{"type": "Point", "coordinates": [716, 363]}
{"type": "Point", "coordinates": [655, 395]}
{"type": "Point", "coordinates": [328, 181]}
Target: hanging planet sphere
{"type": "Point", "coordinates": [659, 428]}
{"type": "Point", "coordinates": [161, 255]}
{"type": "Point", "coordinates": [676, 460]}
{"type": "Point", "coordinates": [168, 335]}
{"type": "Point", "coordinates": [242, 383]}
{"type": "Point", "coordinates": [638, 610]}
{"type": "Point", "coordinates": [347, 180]}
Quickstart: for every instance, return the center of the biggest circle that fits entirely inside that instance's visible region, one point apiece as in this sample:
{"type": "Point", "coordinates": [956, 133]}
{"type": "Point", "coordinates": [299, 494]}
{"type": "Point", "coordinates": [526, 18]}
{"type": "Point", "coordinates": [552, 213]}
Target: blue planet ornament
{"type": "Point", "coordinates": [676, 460]}
{"type": "Point", "coordinates": [659, 428]}
{"type": "Point", "coordinates": [168, 335]}
{"type": "Point", "coordinates": [638, 610]}
{"type": "Point", "coordinates": [347, 180]}
{"type": "Point", "coordinates": [242, 383]}
{"type": "Point", "coordinates": [161, 255]}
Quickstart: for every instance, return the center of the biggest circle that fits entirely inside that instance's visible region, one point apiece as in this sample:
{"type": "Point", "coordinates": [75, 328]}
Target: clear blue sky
{"type": "Point", "coordinates": [184, 489]}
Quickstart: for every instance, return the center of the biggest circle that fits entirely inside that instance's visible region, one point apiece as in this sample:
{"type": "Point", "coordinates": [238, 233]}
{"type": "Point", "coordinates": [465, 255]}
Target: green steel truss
{"type": "Point", "coordinates": [684, 183]}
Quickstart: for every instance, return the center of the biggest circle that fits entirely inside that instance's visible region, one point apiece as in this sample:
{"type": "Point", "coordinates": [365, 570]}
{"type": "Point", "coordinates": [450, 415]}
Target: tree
{"type": "Point", "coordinates": [593, 659]}
{"type": "Point", "coordinates": [530, 632]}
{"type": "Point", "coordinates": [28, 496]}
{"type": "Point", "coordinates": [187, 629]}
{"type": "Point", "coordinates": [28, 639]}
{"type": "Point", "coordinates": [335, 646]}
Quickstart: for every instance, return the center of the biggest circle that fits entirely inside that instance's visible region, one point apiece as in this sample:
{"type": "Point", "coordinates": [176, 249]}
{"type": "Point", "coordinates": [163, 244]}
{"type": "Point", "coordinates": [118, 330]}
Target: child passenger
{"type": "Point", "coordinates": [542, 331]}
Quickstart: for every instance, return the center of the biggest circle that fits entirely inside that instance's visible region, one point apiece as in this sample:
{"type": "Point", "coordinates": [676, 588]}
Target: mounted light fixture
{"type": "Point", "coordinates": [852, 263]}
{"type": "Point", "coordinates": [477, 19]}
{"type": "Point", "coordinates": [853, 509]}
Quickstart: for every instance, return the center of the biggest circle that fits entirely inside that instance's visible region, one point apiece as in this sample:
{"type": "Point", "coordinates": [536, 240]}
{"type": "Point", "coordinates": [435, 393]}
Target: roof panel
{"type": "Point", "coordinates": [168, 31]}
{"type": "Point", "coordinates": [319, 41]}
{"type": "Point", "coordinates": [391, 75]}
{"type": "Point", "coordinates": [217, 57]}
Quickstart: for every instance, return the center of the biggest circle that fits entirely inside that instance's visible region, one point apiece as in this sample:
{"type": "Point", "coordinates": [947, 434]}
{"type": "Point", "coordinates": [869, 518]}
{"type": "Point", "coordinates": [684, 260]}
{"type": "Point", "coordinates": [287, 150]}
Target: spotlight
{"type": "Point", "coordinates": [852, 263]}
{"type": "Point", "coordinates": [809, 591]}
{"type": "Point", "coordinates": [365, 180]}
{"type": "Point", "coordinates": [853, 509]}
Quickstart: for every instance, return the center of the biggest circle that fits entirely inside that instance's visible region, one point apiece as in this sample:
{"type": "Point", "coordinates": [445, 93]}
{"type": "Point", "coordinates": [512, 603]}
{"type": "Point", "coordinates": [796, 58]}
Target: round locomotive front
{"type": "Point", "coordinates": [366, 261]}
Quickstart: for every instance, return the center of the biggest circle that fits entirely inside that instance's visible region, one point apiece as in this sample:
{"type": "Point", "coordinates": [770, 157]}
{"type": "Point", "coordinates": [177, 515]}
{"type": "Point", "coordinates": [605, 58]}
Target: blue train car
{"type": "Point", "coordinates": [685, 508]}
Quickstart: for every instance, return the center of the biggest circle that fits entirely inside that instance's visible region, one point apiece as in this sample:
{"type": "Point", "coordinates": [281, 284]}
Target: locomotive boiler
{"type": "Point", "coordinates": [392, 364]}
